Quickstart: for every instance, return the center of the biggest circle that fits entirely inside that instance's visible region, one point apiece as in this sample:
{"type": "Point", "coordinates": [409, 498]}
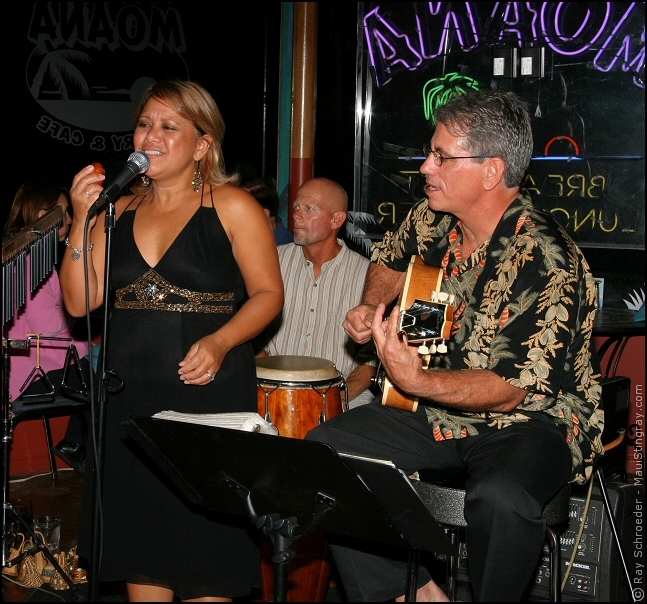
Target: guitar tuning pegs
{"type": "Point", "coordinates": [452, 298]}
{"type": "Point", "coordinates": [434, 296]}
{"type": "Point", "coordinates": [423, 349]}
{"type": "Point", "coordinates": [443, 296]}
{"type": "Point", "coordinates": [432, 348]}
{"type": "Point", "coordinates": [442, 347]}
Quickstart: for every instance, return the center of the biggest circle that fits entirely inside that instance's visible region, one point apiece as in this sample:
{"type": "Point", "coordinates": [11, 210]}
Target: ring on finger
{"type": "Point", "coordinates": [87, 193]}
{"type": "Point", "coordinates": [211, 377]}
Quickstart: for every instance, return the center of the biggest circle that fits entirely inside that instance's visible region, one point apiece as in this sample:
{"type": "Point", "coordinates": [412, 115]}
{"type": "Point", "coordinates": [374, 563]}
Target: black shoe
{"type": "Point", "coordinates": [72, 454]}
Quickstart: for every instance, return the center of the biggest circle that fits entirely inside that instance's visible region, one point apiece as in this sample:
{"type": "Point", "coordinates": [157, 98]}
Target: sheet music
{"type": "Point", "coordinates": [247, 422]}
{"type": "Point", "coordinates": [371, 459]}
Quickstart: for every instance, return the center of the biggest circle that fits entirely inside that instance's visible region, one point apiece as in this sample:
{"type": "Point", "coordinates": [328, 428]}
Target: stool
{"type": "Point", "coordinates": [446, 503]}
{"type": "Point", "coordinates": [47, 406]}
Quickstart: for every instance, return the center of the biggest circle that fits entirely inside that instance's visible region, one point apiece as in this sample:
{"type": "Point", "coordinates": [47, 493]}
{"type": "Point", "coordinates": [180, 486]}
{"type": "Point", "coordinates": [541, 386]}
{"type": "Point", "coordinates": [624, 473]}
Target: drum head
{"type": "Point", "coordinates": [292, 368]}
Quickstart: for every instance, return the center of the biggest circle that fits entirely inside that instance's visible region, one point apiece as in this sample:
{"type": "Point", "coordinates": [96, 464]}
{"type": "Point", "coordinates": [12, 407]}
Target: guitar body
{"type": "Point", "coordinates": [421, 281]}
{"type": "Point", "coordinates": [392, 396]}
{"type": "Point", "coordinates": [426, 316]}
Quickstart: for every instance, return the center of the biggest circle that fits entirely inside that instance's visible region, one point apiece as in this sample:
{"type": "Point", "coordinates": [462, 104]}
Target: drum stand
{"type": "Point", "coordinates": [289, 487]}
{"type": "Point", "coordinates": [8, 510]}
{"type": "Point", "coordinates": [282, 531]}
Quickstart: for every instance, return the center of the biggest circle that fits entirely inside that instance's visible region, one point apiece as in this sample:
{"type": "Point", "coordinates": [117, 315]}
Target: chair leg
{"type": "Point", "coordinates": [84, 424]}
{"type": "Point", "coordinates": [614, 529]}
{"type": "Point", "coordinates": [50, 448]}
{"type": "Point", "coordinates": [413, 564]}
{"type": "Point", "coordinates": [554, 556]}
{"type": "Point", "coordinates": [452, 567]}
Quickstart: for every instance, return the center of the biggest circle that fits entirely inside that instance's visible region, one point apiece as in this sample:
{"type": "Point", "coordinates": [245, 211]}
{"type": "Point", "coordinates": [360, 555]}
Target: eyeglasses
{"type": "Point", "coordinates": [439, 159]}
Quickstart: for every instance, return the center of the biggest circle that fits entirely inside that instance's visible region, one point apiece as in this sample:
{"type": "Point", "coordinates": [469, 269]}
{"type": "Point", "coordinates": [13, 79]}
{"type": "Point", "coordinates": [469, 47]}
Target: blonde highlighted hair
{"type": "Point", "coordinates": [194, 103]}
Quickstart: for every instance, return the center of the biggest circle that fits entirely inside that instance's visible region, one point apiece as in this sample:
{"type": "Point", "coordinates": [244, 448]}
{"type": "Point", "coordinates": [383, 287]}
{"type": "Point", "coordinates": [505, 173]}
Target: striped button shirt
{"type": "Point", "coordinates": [314, 310]}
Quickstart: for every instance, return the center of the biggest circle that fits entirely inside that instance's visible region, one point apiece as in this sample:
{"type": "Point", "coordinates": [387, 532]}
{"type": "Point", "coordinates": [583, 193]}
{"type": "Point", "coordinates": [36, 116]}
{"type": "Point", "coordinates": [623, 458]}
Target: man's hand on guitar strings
{"type": "Point", "coordinates": [358, 323]}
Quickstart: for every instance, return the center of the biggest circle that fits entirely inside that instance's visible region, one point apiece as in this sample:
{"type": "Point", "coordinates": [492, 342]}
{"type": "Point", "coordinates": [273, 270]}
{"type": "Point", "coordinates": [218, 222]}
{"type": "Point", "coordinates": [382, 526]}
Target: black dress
{"type": "Point", "coordinates": [152, 534]}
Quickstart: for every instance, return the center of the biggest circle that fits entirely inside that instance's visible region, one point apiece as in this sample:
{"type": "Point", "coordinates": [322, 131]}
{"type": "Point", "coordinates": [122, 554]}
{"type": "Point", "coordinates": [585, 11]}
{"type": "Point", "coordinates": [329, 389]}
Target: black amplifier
{"type": "Point", "coordinates": [597, 574]}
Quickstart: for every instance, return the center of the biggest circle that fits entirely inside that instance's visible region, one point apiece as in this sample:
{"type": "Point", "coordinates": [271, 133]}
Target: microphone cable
{"type": "Point", "coordinates": [98, 493]}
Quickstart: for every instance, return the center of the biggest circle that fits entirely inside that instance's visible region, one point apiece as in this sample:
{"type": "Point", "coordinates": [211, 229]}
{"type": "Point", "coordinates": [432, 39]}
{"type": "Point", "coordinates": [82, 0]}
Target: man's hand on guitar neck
{"type": "Point", "coordinates": [474, 390]}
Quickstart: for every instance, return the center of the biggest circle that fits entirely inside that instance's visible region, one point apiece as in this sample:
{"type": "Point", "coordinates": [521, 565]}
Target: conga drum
{"type": "Point", "coordinates": [296, 393]}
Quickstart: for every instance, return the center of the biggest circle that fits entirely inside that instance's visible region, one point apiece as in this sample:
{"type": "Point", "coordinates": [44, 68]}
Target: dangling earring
{"type": "Point", "coordinates": [145, 180]}
{"type": "Point", "coordinates": [197, 181]}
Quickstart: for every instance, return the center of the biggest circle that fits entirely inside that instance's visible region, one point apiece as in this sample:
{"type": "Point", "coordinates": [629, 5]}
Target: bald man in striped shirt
{"type": "Point", "coordinates": [323, 279]}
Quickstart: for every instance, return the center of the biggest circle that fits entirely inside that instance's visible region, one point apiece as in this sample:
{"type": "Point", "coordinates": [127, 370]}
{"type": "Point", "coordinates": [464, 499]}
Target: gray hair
{"type": "Point", "coordinates": [495, 124]}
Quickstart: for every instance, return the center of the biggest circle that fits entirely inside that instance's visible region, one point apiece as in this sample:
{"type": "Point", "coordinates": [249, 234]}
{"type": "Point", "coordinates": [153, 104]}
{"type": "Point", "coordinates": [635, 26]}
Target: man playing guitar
{"type": "Point", "coordinates": [515, 401]}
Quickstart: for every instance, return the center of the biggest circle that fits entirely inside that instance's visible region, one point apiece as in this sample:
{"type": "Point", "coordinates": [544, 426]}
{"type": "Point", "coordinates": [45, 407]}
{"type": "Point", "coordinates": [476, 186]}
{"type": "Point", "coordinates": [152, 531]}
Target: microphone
{"type": "Point", "coordinates": [137, 163]}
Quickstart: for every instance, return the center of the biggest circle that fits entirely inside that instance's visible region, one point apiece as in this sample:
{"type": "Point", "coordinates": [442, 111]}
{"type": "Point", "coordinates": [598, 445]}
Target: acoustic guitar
{"type": "Point", "coordinates": [426, 317]}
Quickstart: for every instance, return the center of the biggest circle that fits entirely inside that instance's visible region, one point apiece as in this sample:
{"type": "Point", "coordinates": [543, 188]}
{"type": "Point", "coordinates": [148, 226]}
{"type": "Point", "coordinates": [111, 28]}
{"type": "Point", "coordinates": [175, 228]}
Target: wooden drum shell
{"type": "Point", "coordinates": [295, 409]}
{"type": "Point", "coordinates": [297, 393]}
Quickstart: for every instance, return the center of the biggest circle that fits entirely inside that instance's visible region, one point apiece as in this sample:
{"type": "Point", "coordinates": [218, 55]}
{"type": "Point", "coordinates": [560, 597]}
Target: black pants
{"type": "Point", "coordinates": [513, 472]}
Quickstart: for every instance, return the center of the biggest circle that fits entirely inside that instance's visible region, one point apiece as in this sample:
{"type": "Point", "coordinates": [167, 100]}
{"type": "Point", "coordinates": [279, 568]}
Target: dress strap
{"type": "Point", "coordinates": [133, 200]}
{"type": "Point", "coordinates": [210, 193]}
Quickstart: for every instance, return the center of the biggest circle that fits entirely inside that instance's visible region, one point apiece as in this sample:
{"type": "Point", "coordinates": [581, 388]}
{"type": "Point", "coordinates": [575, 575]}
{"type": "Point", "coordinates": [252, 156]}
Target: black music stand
{"type": "Point", "coordinates": [289, 487]}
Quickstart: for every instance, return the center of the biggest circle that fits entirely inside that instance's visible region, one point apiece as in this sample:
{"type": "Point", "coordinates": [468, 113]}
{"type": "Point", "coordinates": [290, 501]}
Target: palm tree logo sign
{"type": "Point", "coordinates": [437, 92]}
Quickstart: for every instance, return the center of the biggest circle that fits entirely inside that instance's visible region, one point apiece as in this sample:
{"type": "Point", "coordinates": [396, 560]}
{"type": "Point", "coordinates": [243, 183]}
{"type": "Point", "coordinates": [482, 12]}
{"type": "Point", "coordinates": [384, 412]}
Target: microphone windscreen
{"type": "Point", "coordinates": [140, 160]}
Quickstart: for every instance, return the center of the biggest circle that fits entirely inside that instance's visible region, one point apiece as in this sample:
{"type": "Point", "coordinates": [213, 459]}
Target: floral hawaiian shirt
{"type": "Point", "coordinates": [524, 309]}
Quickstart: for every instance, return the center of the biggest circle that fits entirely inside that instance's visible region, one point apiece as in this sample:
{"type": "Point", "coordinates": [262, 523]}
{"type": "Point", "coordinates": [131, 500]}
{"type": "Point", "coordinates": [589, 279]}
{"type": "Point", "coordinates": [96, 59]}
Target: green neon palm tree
{"type": "Point", "coordinates": [438, 91]}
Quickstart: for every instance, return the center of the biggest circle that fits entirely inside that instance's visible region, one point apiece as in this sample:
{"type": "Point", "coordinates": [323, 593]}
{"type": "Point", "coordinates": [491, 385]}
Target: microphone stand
{"type": "Point", "coordinates": [99, 419]}
{"type": "Point", "coordinates": [137, 163]}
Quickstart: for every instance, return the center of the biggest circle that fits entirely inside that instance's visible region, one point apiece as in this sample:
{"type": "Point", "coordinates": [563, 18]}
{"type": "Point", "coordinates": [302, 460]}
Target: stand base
{"type": "Point", "coordinates": [39, 546]}
{"type": "Point", "coordinates": [308, 572]}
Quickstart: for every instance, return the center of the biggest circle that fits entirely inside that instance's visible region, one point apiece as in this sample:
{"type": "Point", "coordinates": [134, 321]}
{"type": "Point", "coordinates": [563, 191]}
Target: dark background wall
{"type": "Point", "coordinates": [75, 71]}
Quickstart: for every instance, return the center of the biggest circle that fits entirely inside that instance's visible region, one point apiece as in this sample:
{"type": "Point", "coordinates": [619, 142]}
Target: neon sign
{"type": "Point", "coordinates": [567, 28]}
{"type": "Point", "coordinates": [387, 46]}
{"type": "Point", "coordinates": [459, 24]}
{"type": "Point", "coordinates": [591, 26]}
{"type": "Point", "coordinates": [634, 65]}
{"type": "Point", "coordinates": [438, 91]}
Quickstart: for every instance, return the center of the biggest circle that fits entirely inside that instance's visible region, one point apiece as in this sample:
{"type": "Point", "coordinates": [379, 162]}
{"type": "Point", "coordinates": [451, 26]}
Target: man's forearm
{"type": "Point", "coordinates": [382, 285]}
{"type": "Point", "coordinates": [474, 390]}
{"type": "Point", "coordinates": [359, 380]}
